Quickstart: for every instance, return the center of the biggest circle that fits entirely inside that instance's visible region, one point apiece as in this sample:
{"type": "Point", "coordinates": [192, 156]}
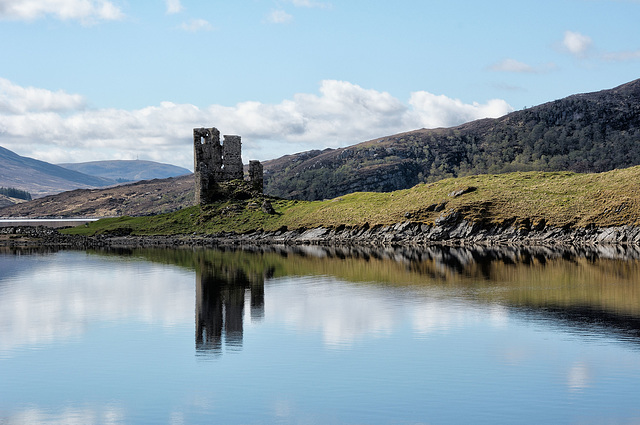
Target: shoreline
{"type": "Point", "coordinates": [450, 232]}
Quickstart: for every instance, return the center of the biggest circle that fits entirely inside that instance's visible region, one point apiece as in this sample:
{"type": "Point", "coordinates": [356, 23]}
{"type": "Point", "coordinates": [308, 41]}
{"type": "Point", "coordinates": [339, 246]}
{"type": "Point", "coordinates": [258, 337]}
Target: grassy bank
{"type": "Point", "coordinates": [534, 198]}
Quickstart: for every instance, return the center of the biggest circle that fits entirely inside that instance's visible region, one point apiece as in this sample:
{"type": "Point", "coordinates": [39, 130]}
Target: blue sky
{"type": "Point", "coordinates": [85, 80]}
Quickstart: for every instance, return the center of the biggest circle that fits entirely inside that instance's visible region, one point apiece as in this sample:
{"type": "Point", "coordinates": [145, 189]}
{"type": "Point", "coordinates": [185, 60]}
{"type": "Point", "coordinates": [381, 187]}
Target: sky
{"type": "Point", "coordinates": [87, 80]}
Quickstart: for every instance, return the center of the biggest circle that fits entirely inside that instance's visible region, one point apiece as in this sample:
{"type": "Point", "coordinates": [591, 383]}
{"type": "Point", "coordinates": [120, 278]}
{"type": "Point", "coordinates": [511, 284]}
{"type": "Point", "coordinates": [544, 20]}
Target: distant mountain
{"type": "Point", "coordinates": [590, 132]}
{"type": "Point", "coordinates": [127, 171]}
{"type": "Point", "coordinates": [41, 178]}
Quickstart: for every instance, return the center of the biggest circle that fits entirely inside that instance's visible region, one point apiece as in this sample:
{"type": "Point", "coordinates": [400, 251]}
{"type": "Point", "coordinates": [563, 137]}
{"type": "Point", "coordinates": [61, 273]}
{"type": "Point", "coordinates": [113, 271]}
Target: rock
{"type": "Point", "coordinates": [448, 219]}
{"type": "Point", "coordinates": [440, 207]}
{"type": "Point", "coordinates": [314, 233]}
{"type": "Point", "coordinates": [267, 208]}
{"type": "Point", "coordinates": [461, 192]}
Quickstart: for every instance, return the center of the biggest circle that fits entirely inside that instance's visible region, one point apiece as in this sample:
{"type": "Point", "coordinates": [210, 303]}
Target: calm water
{"type": "Point", "coordinates": [319, 336]}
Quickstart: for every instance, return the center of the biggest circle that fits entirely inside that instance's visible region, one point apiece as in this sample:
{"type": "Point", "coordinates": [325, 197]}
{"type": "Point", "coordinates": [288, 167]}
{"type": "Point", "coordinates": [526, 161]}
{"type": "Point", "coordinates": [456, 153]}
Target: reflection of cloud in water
{"type": "Point", "coordinates": [177, 418]}
{"type": "Point", "coordinates": [69, 416]}
{"type": "Point", "coordinates": [435, 316]}
{"type": "Point", "coordinates": [579, 377]}
{"type": "Point", "coordinates": [53, 302]}
{"type": "Point", "coordinates": [345, 312]}
{"type": "Point", "coordinates": [341, 311]}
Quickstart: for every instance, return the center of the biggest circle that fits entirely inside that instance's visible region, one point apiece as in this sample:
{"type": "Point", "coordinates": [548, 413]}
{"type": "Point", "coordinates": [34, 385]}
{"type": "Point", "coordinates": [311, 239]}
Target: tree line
{"type": "Point", "coordinates": [15, 193]}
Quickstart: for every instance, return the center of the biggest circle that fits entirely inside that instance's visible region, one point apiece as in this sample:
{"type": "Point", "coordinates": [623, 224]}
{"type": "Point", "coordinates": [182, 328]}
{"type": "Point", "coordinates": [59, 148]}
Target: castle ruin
{"type": "Point", "coordinates": [215, 163]}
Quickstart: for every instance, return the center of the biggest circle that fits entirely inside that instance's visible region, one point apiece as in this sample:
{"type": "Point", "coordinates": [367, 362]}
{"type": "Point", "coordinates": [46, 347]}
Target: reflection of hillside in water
{"type": "Point", "coordinates": [586, 289]}
{"type": "Point", "coordinates": [589, 289]}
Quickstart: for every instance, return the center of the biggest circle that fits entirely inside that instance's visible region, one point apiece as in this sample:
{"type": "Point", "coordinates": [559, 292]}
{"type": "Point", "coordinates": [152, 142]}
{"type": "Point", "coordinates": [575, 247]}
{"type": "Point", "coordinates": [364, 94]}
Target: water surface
{"type": "Point", "coordinates": [320, 336]}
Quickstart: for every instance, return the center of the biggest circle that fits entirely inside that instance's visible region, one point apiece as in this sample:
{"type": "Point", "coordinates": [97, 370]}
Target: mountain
{"type": "Point", "coordinates": [591, 132]}
{"type": "Point", "coordinates": [127, 171]}
{"type": "Point", "coordinates": [41, 178]}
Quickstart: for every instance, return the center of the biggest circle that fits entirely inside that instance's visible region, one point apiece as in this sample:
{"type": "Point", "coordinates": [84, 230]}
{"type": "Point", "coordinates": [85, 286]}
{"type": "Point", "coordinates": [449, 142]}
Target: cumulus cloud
{"type": "Point", "coordinates": [196, 25]}
{"type": "Point", "coordinates": [577, 44]}
{"type": "Point", "coordinates": [279, 17]}
{"type": "Point", "coordinates": [86, 11]}
{"type": "Point", "coordinates": [173, 6]}
{"type": "Point", "coordinates": [441, 111]}
{"type": "Point", "coordinates": [57, 126]}
{"type": "Point", "coordinates": [15, 99]}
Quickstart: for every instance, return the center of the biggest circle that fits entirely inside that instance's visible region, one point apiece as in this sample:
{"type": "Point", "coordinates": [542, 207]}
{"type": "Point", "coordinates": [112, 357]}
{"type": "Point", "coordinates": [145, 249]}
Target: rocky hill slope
{"type": "Point", "coordinates": [590, 132]}
{"type": "Point", "coordinates": [141, 198]}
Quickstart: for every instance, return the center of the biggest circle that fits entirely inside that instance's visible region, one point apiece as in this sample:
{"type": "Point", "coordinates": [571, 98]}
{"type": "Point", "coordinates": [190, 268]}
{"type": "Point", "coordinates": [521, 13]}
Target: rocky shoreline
{"type": "Point", "coordinates": [450, 231]}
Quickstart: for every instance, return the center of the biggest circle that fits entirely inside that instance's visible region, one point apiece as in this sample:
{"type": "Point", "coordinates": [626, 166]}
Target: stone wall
{"type": "Point", "coordinates": [256, 175]}
{"type": "Point", "coordinates": [215, 162]}
{"type": "Point", "coordinates": [232, 158]}
{"type": "Point", "coordinates": [207, 163]}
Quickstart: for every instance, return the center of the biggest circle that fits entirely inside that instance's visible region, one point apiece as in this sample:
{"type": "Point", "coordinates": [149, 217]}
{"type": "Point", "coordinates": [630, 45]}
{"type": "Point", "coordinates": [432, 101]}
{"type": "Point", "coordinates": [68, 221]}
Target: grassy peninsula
{"type": "Point", "coordinates": [559, 199]}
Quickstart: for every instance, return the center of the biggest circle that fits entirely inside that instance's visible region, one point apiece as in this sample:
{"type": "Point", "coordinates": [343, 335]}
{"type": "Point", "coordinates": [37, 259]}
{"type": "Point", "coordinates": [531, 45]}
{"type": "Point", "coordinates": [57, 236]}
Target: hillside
{"type": "Point", "coordinates": [527, 201]}
{"type": "Point", "coordinates": [127, 171]}
{"type": "Point", "coordinates": [6, 201]}
{"type": "Point", "coordinates": [140, 198]}
{"type": "Point", "coordinates": [591, 132]}
{"type": "Point", "coordinates": [41, 178]}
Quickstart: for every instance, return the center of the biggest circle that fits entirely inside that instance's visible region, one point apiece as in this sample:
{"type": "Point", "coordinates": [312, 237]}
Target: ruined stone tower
{"type": "Point", "coordinates": [214, 163]}
{"type": "Point", "coordinates": [256, 175]}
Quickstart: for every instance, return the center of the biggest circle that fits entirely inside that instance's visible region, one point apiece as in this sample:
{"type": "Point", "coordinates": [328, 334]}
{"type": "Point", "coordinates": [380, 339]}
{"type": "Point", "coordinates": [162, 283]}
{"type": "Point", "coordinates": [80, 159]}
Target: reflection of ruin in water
{"type": "Point", "coordinates": [220, 298]}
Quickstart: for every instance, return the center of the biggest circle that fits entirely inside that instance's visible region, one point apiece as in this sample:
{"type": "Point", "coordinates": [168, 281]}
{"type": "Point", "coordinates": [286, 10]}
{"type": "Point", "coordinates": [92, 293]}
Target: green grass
{"type": "Point", "coordinates": [555, 198]}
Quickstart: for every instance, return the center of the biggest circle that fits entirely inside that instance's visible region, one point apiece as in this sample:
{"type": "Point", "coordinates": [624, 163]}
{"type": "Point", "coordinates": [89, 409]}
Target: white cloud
{"type": "Point", "coordinates": [15, 99]}
{"type": "Point", "coordinates": [512, 65]}
{"type": "Point", "coordinates": [279, 17]}
{"type": "Point", "coordinates": [515, 66]}
{"type": "Point", "coordinates": [581, 46]}
{"type": "Point", "coordinates": [622, 56]}
{"type": "Point", "coordinates": [86, 11]}
{"type": "Point", "coordinates": [196, 25]}
{"type": "Point", "coordinates": [56, 126]}
{"type": "Point", "coordinates": [173, 6]}
{"type": "Point", "coordinates": [441, 111]}
{"type": "Point", "coordinates": [575, 43]}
